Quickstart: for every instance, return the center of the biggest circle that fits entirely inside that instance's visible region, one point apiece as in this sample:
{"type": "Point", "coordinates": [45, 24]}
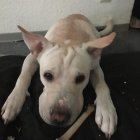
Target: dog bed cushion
{"type": "Point", "coordinates": [122, 73]}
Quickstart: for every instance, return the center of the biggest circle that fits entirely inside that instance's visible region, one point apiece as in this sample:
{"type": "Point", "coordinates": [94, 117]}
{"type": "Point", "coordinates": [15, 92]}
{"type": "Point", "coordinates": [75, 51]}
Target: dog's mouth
{"type": "Point", "coordinates": [57, 117]}
{"type": "Point", "coordinates": [60, 117]}
{"type": "Point", "coordinates": [57, 121]}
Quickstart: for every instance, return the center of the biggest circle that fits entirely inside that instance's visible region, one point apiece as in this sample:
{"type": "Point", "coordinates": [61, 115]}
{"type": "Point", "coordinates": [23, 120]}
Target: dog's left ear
{"type": "Point", "coordinates": [34, 42]}
{"type": "Point", "coordinates": [95, 46]}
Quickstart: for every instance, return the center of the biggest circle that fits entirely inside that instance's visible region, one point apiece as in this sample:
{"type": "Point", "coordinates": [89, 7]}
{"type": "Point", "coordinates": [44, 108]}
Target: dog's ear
{"type": "Point", "coordinates": [34, 42]}
{"type": "Point", "coordinates": [95, 46]}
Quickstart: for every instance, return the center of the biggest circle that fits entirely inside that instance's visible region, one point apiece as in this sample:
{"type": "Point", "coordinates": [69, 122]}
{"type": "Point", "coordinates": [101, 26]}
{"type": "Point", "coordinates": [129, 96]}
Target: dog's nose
{"type": "Point", "coordinates": [60, 114]}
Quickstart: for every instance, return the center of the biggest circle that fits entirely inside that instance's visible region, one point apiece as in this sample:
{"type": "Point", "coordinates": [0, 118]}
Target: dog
{"type": "Point", "coordinates": [68, 57]}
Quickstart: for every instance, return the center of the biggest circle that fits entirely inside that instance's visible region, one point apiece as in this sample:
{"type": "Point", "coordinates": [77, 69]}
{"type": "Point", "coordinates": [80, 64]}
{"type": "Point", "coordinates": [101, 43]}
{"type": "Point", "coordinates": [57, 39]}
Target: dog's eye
{"type": "Point", "coordinates": [79, 79]}
{"type": "Point", "coordinates": [48, 76]}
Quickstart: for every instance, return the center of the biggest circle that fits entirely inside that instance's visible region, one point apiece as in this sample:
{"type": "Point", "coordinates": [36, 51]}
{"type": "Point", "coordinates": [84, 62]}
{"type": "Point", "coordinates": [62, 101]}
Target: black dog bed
{"type": "Point", "coordinates": [122, 73]}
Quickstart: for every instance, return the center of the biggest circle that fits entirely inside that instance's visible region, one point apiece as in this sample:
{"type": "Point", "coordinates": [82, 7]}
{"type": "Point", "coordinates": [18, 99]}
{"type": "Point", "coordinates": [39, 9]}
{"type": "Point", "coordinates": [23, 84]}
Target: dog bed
{"type": "Point", "coordinates": [122, 73]}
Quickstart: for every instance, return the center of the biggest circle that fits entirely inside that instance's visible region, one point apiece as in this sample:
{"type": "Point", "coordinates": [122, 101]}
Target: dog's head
{"type": "Point", "coordinates": [64, 72]}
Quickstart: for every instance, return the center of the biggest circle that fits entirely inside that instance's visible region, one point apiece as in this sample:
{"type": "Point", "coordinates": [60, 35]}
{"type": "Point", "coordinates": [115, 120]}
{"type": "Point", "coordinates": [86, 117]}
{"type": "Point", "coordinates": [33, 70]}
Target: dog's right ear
{"type": "Point", "coordinates": [34, 42]}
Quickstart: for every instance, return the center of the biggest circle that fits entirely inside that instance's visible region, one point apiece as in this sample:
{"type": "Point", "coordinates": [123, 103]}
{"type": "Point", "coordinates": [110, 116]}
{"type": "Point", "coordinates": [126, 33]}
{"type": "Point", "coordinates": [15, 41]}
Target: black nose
{"type": "Point", "coordinates": [60, 115]}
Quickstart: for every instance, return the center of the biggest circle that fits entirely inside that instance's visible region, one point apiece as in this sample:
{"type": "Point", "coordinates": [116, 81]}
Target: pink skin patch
{"type": "Point", "coordinates": [37, 49]}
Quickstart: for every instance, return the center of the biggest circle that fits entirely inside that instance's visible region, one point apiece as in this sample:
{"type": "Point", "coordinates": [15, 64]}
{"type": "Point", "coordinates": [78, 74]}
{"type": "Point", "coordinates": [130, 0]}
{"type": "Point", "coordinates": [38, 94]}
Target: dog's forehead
{"type": "Point", "coordinates": [65, 56]}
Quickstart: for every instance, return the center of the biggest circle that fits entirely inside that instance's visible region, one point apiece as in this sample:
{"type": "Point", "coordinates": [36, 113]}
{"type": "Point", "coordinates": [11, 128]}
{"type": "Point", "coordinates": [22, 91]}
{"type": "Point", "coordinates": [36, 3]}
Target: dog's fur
{"type": "Point", "coordinates": [68, 57]}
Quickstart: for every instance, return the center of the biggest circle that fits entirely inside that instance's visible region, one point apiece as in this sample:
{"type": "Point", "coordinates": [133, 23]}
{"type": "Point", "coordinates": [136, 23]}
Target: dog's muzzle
{"type": "Point", "coordinates": [60, 114]}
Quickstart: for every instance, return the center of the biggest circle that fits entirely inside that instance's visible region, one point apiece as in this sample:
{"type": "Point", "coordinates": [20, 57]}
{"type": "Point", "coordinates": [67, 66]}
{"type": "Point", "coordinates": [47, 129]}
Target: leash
{"type": "Point", "coordinates": [70, 132]}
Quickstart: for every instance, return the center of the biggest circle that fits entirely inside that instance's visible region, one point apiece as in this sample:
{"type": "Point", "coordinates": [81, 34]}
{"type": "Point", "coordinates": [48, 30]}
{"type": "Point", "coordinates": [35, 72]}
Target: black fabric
{"type": "Point", "coordinates": [122, 73]}
{"type": "Point", "coordinates": [136, 9]}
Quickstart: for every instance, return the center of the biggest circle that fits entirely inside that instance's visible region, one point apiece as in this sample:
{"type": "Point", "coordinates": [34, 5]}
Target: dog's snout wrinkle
{"type": "Point", "coordinates": [69, 56]}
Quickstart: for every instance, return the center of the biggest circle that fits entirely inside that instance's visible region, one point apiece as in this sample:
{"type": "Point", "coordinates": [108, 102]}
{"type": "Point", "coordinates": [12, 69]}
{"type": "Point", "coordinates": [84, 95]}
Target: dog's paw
{"type": "Point", "coordinates": [12, 106]}
{"type": "Point", "coordinates": [106, 116]}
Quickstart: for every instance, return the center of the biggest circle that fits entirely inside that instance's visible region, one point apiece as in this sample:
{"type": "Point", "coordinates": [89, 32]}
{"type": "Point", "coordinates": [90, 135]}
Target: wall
{"type": "Point", "coordinates": [38, 15]}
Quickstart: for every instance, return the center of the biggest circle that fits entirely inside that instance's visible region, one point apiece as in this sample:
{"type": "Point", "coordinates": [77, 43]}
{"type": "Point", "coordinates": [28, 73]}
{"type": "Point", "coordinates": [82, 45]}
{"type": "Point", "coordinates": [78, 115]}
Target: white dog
{"type": "Point", "coordinates": [68, 57]}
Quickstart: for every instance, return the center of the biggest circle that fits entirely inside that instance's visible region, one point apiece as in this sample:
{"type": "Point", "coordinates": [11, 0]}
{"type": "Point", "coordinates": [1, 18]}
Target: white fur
{"type": "Point", "coordinates": [72, 46]}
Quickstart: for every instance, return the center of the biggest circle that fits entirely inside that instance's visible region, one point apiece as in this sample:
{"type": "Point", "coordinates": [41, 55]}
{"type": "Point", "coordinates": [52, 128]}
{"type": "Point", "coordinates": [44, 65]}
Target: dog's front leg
{"type": "Point", "coordinates": [15, 100]}
{"type": "Point", "coordinates": [106, 117]}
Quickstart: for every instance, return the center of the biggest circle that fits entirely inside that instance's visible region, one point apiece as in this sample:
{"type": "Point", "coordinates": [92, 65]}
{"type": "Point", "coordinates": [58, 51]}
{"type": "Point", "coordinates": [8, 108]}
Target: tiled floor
{"type": "Point", "coordinates": [125, 42]}
{"type": "Point", "coordinates": [13, 48]}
